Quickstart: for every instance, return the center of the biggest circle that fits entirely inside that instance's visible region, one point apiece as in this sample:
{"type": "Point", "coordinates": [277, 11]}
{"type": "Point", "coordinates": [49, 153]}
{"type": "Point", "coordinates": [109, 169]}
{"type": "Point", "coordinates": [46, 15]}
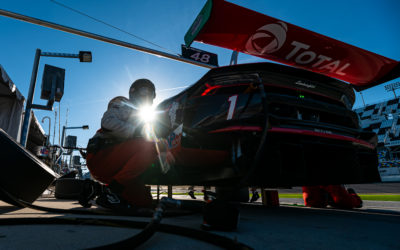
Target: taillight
{"type": "Point", "coordinates": [209, 88]}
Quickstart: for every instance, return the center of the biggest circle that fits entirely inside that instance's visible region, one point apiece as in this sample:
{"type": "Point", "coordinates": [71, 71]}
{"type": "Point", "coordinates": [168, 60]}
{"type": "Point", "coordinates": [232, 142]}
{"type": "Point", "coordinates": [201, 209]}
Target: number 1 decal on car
{"type": "Point", "coordinates": [232, 105]}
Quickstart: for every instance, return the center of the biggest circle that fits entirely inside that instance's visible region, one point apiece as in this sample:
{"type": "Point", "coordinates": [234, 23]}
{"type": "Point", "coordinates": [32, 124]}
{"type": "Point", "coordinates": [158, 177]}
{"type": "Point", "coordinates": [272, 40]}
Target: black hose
{"type": "Point", "coordinates": [210, 238]}
{"type": "Point", "coordinates": [263, 140]}
{"type": "Point", "coordinates": [251, 95]}
{"type": "Point", "coordinates": [148, 231]}
{"type": "Point", "coordinates": [137, 239]}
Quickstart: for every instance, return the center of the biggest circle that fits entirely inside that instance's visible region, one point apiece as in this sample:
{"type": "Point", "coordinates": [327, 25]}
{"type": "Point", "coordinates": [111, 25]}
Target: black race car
{"type": "Point", "coordinates": [265, 124]}
{"type": "Point", "coordinates": [268, 124]}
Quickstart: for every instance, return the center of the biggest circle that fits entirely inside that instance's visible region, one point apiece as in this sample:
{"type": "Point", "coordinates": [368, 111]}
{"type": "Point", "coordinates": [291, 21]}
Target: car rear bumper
{"type": "Point", "coordinates": [291, 157]}
{"type": "Point", "coordinates": [294, 158]}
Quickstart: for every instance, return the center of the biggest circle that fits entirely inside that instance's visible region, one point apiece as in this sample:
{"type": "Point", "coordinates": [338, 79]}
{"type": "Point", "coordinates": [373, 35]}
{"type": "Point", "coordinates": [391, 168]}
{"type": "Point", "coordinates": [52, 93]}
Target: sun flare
{"type": "Point", "coordinates": [147, 113]}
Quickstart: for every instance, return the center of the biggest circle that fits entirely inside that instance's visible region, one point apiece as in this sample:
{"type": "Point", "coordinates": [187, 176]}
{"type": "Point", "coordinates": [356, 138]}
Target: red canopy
{"type": "Point", "coordinates": [233, 27]}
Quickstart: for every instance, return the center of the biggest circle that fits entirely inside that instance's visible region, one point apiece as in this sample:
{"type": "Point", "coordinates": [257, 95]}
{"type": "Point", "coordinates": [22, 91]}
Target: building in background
{"type": "Point", "coordinates": [11, 114]}
{"type": "Point", "coordinates": [11, 106]}
{"type": "Point", "coordinates": [383, 118]}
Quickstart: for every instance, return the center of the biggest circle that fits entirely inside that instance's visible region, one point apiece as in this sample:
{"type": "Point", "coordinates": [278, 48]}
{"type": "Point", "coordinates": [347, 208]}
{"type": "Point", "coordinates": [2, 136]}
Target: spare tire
{"type": "Point", "coordinates": [68, 188]}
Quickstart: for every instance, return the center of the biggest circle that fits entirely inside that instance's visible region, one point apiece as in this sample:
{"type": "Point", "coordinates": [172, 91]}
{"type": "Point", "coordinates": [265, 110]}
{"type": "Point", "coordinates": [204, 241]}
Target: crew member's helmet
{"type": "Point", "coordinates": [119, 100]}
{"type": "Point", "coordinates": [142, 91]}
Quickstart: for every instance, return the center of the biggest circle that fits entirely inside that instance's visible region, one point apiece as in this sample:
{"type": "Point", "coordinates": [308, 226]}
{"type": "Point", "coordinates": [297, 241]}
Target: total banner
{"type": "Point", "coordinates": [230, 26]}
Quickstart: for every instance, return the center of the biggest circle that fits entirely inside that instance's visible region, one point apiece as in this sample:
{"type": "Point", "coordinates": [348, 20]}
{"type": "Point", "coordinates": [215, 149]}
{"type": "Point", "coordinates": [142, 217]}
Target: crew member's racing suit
{"type": "Point", "coordinates": [118, 154]}
{"type": "Point", "coordinates": [334, 195]}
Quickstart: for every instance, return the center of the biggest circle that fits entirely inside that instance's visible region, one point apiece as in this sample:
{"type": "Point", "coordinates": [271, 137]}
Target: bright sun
{"type": "Point", "coordinates": [147, 113]}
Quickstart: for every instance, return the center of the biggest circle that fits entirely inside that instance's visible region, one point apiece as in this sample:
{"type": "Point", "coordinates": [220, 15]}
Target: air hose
{"type": "Point", "coordinates": [207, 237]}
{"type": "Point", "coordinates": [148, 228]}
{"type": "Point", "coordinates": [225, 214]}
{"type": "Point", "coordinates": [261, 145]}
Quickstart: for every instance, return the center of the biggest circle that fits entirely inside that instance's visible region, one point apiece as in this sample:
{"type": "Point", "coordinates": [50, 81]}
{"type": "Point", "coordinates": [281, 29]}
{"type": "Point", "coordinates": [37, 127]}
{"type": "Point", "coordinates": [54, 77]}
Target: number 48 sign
{"type": "Point", "coordinates": [199, 55]}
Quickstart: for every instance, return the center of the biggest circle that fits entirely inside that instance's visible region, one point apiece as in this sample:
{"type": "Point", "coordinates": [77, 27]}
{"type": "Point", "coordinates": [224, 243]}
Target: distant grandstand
{"type": "Point", "coordinates": [384, 119]}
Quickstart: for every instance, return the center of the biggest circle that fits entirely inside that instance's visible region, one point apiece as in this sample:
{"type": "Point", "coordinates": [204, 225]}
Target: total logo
{"type": "Point", "coordinates": [270, 38]}
{"type": "Point", "coordinates": [267, 39]}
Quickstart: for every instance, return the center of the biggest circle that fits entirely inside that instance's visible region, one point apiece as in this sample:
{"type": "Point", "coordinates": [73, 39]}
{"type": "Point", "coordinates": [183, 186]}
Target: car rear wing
{"type": "Point", "coordinates": [230, 26]}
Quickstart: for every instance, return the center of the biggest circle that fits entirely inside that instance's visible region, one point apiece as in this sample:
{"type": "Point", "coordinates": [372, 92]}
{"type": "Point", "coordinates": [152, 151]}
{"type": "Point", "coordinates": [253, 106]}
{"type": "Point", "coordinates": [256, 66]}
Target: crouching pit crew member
{"type": "Point", "coordinates": [336, 196]}
{"type": "Point", "coordinates": [119, 152]}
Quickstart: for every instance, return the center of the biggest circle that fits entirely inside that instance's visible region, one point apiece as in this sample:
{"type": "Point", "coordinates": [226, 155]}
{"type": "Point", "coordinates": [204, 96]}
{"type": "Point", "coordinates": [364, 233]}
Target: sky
{"type": "Point", "coordinates": [369, 24]}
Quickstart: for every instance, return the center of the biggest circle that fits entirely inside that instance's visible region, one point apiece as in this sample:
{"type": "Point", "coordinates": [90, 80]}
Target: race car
{"type": "Point", "coordinates": [267, 124]}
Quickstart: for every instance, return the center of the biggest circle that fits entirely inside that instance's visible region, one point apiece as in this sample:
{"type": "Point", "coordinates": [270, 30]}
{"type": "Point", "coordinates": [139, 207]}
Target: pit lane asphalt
{"type": "Point", "coordinates": [285, 227]}
{"type": "Point", "coordinates": [373, 188]}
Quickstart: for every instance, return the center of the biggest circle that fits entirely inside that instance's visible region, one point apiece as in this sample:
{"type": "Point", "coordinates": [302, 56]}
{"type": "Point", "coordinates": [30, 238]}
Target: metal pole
{"type": "Point", "coordinates": [62, 144]}
{"type": "Point", "coordinates": [48, 138]}
{"type": "Point", "coordinates": [70, 160]}
{"type": "Point", "coordinates": [100, 38]}
{"type": "Point", "coordinates": [55, 124]}
{"type": "Point", "coordinates": [59, 121]}
{"type": "Point", "coordinates": [81, 127]}
{"type": "Point", "coordinates": [62, 137]}
{"type": "Point", "coordinates": [65, 55]}
{"type": "Point", "coordinates": [395, 97]}
{"type": "Point", "coordinates": [28, 107]}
